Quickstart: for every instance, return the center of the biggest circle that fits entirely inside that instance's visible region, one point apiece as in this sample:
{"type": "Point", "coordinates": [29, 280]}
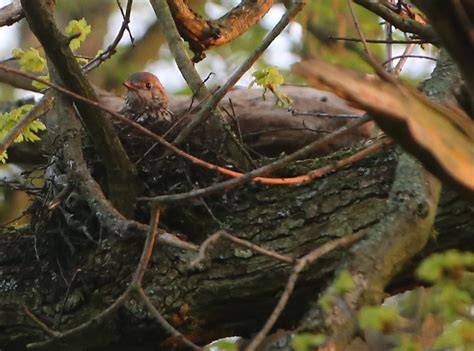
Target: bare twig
{"type": "Point", "coordinates": [403, 59]}
{"type": "Point", "coordinates": [359, 30]}
{"type": "Point", "coordinates": [325, 114]}
{"type": "Point", "coordinates": [411, 56]}
{"type": "Point", "coordinates": [96, 320]}
{"type": "Point", "coordinates": [40, 324]}
{"type": "Point", "coordinates": [211, 240]}
{"type": "Point", "coordinates": [147, 249]}
{"type": "Point", "coordinates": [164, 323]}
{"type": "Point", "coordinates": [389, 47]}
{"type": "Point", "coordinates": [136, 284]}
{"type": "Point", "coordinates": [112, 48]}
{"type": "Point", "coordinates": [379, 41]}
{"type": "Point", "coordinates": [301, 264]}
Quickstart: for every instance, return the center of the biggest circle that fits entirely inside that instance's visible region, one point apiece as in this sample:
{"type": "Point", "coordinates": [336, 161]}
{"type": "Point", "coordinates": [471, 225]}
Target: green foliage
{"type": "Point", "coordinates": [270, 78]}
{"type": "Point", "coordinates": [39, 85]}
{"type": "Point", "coordinates": [407, 344]}
{"type": "Point", "coordinates": [307, 341]}
{"type": "Point", "coordinates": [440, 314]}
{"type": "Point", "coordinates": [379, 318]}
{"type": "Point", "coordinates": [8, 121]}
{"type": "Point", "coordinates": [30, 60]}
{"type": "Point", "coordinates": [344, 282]}
{"type": "Point", "coordinates": [80, 27]}
{"type": "Point", "coordinates": [458, 334]}
{"type": "Point", "coordinates": [449, 265]}
{"type": "Point", "coordinates": [342, 285]}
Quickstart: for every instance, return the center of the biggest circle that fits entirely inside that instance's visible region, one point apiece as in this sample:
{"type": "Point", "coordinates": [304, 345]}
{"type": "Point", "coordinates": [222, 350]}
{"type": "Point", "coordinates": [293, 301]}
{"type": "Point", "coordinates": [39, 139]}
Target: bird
{"type": "Point", "coordinates": [146, 99]}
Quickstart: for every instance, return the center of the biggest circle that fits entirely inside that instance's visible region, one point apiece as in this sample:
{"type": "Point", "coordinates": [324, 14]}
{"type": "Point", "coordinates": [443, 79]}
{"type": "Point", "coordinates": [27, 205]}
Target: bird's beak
{"type": "Point", "coordinates": [129, 85]}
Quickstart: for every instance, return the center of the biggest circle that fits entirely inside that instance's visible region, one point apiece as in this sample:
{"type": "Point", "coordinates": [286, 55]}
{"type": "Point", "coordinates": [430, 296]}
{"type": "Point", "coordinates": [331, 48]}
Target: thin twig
{"type": "Point", "coordinates": [164, 323]}
{"type": "Point", "coordinates": [359, 30]}
{"type": "Point", "coordinates": [379, 41]}
{"type": "Point", "coordinates": [147, 249]}
{"type": "Point", "coordinates": [211, 240]}
{"type": "Point", "coordinates": [324, 114]}
{"type": "Point", "coordinates": [40, 324]}
{"type": "Point", "coordinates": [389, 47]}
{"type": "Point", "coordinates": [378, 68]}
{"type": "Point", "coordinates": [411, 56]}
{"type": "Point", "coordinates": [91, 322]}
{"type": "Point", "coordinates": [301, 264]}
{"type": "Point", "coordinates": [112, 48]}
{"type": "Point", "coordinates": [404, 57]}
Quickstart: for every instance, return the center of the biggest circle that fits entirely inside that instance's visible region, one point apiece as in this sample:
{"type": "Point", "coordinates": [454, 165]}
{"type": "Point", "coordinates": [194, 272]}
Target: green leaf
{"type": "Point", "coordinates": [344, 282]}
{"type": "Point", "coordinates": [3, 157]}
{"type": "Point", "coordinates": [379, 318]}
{"type": "Point", "coordinates": [8, 121]}
{"type": "Point", "coordinates": [445, 266]}
{"type": "Point", "coordinates": [39, 85]}
{"type": "Point", "coordinates": [78, 27]}
{"type": "Point", "coordinates": [458, 334]}
{"type": "Point", "coordinates": [307, 341]}
{"type": "Point", "coordinates": [407, 344]}
{"type": "Point", "coordinates": [30, 60]}
{"type": "Point", "coordinates": [451, 301]}
{"type": "Point", "coordinates": [268, 78]}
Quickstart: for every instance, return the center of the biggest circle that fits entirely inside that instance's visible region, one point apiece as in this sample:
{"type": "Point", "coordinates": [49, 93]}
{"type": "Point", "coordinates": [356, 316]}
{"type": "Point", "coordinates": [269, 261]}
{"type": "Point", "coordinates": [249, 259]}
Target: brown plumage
{"type": "Point", "coordinates": [146, 99]}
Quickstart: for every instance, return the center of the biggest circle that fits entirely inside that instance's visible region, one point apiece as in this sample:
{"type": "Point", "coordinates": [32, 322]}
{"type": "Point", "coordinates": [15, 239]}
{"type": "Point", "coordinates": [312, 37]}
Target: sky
{"type": "Point", "coordinates": [278, 54]}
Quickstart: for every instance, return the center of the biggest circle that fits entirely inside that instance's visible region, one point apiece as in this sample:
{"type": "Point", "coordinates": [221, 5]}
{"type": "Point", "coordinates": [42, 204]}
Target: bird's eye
{"type": "Point", "coordinates": [148, 85]}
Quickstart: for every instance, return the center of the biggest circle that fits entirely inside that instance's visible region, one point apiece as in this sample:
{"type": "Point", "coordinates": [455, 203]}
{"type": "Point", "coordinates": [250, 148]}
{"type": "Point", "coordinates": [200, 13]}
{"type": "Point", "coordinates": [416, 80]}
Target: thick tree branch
{"type": "Point", "coordinates": [202, 34]}
{"type": "Point", "coordinates": [121, 180]}
{"type": "Point", "coordinates": [11, 13]}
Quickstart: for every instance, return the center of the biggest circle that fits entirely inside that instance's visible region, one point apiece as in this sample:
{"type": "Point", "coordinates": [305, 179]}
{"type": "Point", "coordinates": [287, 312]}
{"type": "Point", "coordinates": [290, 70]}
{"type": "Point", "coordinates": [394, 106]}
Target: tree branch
{"type": "Point", "coordinates": [403, 23]}
{"type": "Point", "coordinates": [202, 34]}
{"type": "Point", "coordinates": [11, 13]}
{"type": "Point", "coordinates": [121, 180]}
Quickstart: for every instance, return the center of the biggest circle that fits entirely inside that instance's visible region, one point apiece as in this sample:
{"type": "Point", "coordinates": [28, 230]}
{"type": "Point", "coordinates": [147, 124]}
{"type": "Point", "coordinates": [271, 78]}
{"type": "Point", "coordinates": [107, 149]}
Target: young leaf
{"type": "Point", "coordinates": [78, 27]}
{"type": "Point", "coordinates": [30, 60]}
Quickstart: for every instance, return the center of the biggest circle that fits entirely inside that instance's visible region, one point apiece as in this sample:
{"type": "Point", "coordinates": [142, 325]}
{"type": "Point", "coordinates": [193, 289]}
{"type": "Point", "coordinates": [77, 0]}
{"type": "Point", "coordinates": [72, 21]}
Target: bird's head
{"type": "Point", "coordinates": [145, 92]}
